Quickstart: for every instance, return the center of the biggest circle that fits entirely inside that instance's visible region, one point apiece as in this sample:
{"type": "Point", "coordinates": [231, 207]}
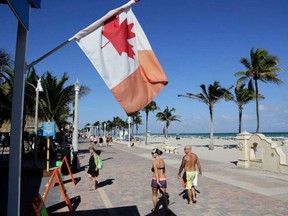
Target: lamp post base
{"type": "Point", "coordinates": [75, 162]}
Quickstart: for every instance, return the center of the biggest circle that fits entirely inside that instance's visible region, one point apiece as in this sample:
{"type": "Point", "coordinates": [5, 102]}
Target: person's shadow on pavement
{"type": "Point", "coordinates": [106, 182]}
{"type": "Point", "coordinates": [185, 195]}
{"type": "Point", "coordinates": [162, 211]}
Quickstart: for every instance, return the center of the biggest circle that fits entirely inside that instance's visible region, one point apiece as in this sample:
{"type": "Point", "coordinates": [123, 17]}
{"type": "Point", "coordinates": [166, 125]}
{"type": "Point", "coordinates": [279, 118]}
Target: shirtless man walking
{"type": "Point", "coordinates": [189, 163]}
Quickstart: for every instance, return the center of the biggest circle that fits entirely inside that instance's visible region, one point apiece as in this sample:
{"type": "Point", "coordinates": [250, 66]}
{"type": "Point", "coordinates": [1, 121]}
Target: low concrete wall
{"type": "Point", "coordinates": [258, 152]}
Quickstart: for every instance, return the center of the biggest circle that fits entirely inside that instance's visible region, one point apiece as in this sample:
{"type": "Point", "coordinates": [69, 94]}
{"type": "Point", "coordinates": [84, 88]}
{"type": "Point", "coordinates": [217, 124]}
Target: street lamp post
{"type": "Point", "coordinates": [104, 129]}
{"type": "Point", "coordinates": [104, 136]}
{"type": "Point", "coordinates": [38, 89]}
{"type": "Point", "coordinates": [75, 130]}
{"type": "Point", "coordinates": [129, 122]}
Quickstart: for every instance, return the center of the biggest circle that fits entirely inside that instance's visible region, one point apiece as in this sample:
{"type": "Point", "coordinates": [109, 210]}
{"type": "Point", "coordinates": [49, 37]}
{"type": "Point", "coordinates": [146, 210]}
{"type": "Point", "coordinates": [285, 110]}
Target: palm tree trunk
{"type": "Point", "coordinates": [240, 119]}
{"type": "Point", "coordinates": [257, 105]}
{"type": "Point", "coordinates": [166, 132]}
{"type": "Point", "coordinates": [146, 128]}
{"type": "Point", "coordinates": [211, 146]}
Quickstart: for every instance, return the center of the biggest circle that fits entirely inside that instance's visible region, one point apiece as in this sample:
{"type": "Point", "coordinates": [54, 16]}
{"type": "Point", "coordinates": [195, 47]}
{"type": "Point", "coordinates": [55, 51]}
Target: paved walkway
{"type": "Point", "coordinates": [224, 189]}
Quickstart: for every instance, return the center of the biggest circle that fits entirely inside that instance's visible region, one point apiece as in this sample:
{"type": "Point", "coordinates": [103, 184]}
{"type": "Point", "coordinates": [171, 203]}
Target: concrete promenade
{"type": "Point", "coordinates": [224, 189]}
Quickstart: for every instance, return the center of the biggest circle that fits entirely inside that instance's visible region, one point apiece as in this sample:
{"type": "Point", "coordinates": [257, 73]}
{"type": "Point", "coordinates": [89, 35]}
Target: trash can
{"type": "Point", "coordinates": [65, 151]}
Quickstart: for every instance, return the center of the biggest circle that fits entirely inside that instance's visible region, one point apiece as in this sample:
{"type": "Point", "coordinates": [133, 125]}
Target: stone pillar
{"type": "Point", "coordinates": [243, 149]}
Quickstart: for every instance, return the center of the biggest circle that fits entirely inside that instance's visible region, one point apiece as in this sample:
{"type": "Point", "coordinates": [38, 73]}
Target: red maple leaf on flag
{"type": "Point", "coordinates": [119, 35]}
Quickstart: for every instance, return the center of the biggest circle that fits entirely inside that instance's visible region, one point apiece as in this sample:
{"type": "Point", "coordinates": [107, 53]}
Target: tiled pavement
{"type": "Point", "coordinates": [224, 189]}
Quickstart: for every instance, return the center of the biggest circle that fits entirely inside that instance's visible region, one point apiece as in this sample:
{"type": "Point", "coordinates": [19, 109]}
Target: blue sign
{"type": "Point", "coordinates": [48, 128]}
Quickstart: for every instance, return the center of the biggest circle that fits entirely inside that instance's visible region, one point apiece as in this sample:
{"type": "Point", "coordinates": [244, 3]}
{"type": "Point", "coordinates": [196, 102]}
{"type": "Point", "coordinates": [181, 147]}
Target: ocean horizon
{"type": "Point", "coordinates": [278, 135]}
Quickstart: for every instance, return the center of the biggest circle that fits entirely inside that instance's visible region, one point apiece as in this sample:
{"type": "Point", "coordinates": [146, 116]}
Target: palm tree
{"type": "Point", "coordinates": [262, 67]}
{"type": "Point", "coordinates": [123, 125]}
{"type": "Point", "coordinates": [109, 126]}
{"type": "Point", "coordinates": [116, 124]}
{"type": "Point", "coordinates": [55, 100]}
{"type": "Point", "coordinates": [243, 96]}
{"type": "Point", "coordinates": [136, 121]}
{"type": "Point", "coordinates": [29, 100]}
{"type": "Point", "coordinates": [5, 59]}
{"type": "Point", "coordinates": [6, 83]}
{"type": "Point", "coordinates": [87, 128]}
{"type": "Point", "coordinates": [210, 96]}
{"type": "Point", "coordinates": [167, 117]}
{"type": "Point", "coordinates": [103, 125]}
{"type": "Point", "coordinates": [133, 117]}
{"type": "Point", "coordinates": [97, 124]}
{"type": "Point", "coordinates": [151, 107]}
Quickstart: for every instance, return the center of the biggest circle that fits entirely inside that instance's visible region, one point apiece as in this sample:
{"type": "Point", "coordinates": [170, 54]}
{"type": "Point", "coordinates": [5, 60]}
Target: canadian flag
{"type": "Point", "coordinates": [120, 51]}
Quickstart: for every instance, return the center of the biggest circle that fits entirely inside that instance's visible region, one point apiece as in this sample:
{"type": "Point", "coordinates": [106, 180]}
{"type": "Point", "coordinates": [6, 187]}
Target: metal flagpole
{"type": "Point", "coordinates": [49, 53]}
{"type": "Point", "coordinates": [82, 32]}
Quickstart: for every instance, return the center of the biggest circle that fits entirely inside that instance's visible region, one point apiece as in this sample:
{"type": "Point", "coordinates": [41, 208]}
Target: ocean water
{"type": "Point", "coordinates": [273, 135]}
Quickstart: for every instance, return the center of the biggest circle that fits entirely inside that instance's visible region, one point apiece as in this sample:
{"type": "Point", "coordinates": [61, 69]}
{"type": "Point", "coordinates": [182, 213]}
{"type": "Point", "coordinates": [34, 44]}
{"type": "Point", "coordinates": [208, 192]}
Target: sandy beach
{"type": "Point", "coordinates": [224, 149]}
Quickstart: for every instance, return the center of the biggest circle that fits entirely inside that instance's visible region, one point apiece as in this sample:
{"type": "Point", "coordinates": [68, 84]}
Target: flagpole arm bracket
{"type": "Point", "coordinates": [48, 54]}
{"type": "Point", "coordinates": [68, 41]}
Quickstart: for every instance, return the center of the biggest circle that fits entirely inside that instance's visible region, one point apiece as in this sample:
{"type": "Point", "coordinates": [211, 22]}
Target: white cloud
{"type": "Point", "coordinates": [261, 108]}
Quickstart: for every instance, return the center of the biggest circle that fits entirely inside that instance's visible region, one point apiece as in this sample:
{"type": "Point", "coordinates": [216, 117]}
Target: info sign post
{"type": "Point", "coordinates": [48, 131]}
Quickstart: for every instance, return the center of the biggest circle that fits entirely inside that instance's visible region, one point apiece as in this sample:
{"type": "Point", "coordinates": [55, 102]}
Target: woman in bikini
{"type": "Point", "coordinates": [159, 181]}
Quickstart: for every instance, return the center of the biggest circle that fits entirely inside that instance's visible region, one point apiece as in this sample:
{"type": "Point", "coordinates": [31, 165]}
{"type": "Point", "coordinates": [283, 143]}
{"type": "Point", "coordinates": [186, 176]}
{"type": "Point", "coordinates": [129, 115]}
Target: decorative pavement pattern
{"type": "Point", "coordinates": [224, 189]}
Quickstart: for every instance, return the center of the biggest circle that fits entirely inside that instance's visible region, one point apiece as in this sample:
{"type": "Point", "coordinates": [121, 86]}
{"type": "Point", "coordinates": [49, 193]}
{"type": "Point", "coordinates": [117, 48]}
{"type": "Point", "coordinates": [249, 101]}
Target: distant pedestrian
{"type": "Point", "coordinates": [95, 139]}
{"type": "Point", "coordinates": [108, 139]}
{"type": "Point", "coordinates": [189, 163]}
{"type": "Point", "coordinates": [101, 140]}
{"type": "Point", "coordinates": [93, 171]}
{"type": "Point", "coordinates": [159, 182]}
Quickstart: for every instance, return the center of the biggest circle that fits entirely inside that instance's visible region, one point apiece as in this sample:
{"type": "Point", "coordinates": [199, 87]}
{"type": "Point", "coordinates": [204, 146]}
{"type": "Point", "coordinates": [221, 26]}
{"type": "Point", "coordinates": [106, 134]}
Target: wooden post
{"type": "Point", "coordinates": [48, 155]}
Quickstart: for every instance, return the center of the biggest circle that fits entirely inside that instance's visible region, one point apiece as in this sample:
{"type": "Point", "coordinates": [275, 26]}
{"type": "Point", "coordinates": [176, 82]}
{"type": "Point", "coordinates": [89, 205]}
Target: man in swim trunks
{"type": "Point", "coordinates": [189, 163]}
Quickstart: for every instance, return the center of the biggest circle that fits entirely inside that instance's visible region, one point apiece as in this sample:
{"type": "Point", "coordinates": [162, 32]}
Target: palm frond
{"type": "Point", "coordinates": [246, 63]}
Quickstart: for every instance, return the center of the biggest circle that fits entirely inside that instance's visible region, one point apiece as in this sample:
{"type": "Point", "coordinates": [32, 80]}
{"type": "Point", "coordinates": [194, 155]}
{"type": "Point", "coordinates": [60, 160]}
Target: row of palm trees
{"type": "Point", "coordinates": [260, 67]}
{"type": "Point", "coordinates": [111, 126]}
{"type": "Point", "coordinates": [55, 102]}
{"type": "Point", "coordinates": [136, 119]}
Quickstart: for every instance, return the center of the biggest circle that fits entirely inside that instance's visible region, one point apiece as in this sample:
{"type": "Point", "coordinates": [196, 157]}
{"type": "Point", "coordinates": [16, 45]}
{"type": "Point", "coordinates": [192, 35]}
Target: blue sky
{"type": "Point", "coordinates": [195, 41]}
